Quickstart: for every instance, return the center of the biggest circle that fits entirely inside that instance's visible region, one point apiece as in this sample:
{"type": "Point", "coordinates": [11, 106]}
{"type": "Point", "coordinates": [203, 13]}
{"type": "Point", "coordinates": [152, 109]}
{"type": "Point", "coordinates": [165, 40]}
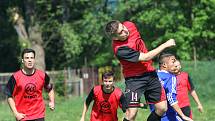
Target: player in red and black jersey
{"type": "Point", "coordinates": [24, 90]}
{"type": "Point", "coordinates": [107, 99]}
{"type": "Point", "coordinates": [185, 86]}
{"type": "Point", "coordinates": [136, 62]}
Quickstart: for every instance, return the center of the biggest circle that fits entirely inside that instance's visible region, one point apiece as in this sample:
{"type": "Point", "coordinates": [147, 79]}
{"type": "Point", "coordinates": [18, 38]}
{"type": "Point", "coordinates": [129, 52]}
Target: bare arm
{"type": "Point", "coordinates": [51, 99]}
{"type": "Point", "coordinates": [86, 104]}
{"type": "Point", "coordinates": [196, 99]}
{"type": "Point", "coordinates": [84, 112]}
{"type": "Point", "coordinates": [11, 103]}
{"type": "Point", "coordinates": [151, 54]}
{"type": "Point", "coordinates": [180, 113]}
{"type": "Point", "coordinates": [49, 88]}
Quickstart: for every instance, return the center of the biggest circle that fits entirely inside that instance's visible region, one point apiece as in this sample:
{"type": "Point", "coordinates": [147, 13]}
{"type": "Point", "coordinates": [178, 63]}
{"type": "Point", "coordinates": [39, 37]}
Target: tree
{"type": "Point", "coordinates": [29, 19]}
{"type": "Point", "coordinates": [189, 22]}
{"type": "Point", "coordinates": [71, 33]}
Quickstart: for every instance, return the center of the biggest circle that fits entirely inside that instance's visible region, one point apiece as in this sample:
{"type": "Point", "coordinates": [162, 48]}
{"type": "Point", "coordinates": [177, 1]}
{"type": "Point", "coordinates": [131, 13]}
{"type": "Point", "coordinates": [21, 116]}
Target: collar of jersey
{"type": "Point", "coordinates": [162, 71]}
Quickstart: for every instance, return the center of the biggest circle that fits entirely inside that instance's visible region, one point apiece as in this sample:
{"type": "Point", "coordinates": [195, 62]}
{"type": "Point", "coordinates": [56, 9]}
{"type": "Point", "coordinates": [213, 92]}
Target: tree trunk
{"type": "Point", "coordinates": [35, 34]}
{"type": "Point", "coordinates": [35, 37]}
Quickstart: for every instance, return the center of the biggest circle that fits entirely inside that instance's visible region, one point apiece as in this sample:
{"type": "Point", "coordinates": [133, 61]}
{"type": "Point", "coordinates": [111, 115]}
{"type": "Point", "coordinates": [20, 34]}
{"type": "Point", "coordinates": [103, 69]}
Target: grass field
{"type": "Point", "coordinates": [70, 110]}
{"type": "Point", "coordinates": [203, 78]}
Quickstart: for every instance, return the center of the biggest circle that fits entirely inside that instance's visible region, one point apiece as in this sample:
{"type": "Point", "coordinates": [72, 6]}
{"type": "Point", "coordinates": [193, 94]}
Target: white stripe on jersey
{"type": "Point", "coordinates": [174, 84]}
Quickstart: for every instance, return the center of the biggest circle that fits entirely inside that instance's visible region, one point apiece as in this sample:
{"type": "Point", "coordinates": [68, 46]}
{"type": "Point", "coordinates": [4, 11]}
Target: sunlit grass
{"type": "Point", "coordinates": [71, 109]}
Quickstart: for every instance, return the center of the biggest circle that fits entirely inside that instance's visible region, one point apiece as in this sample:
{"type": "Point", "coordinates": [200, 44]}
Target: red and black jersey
{"type": "Point", "coordinates": [184, 86]}
{"type": "Point", "coordinates": [105, 104]}
{"type": "Point", "coordinates": [26, 90]}
{"type": "Point", "coordinates": [128, 52]}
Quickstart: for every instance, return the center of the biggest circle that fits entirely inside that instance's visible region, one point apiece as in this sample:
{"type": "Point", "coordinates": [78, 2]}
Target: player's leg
{"type": "Point", "coordinates": [131, 114]}
{"type": "Point", "coordinates": [161, 106]}
{"type": "Point", "coordinates": [155, 94]}
{"type": "Point", "coordinates": [133, 94]}
{"type": "Point", "coordinates": [160, 109]}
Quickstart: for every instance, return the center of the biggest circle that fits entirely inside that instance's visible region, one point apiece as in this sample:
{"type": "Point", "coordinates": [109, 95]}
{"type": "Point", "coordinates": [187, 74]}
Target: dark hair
{"type": "Point", "coordinates": [28, 50]}
{"type": "Point", "coordinates": [107, 74]}
{"type": "Point", "coordinates": [162, 56]}
{"type": "Point", "coordinates": [111, 28]}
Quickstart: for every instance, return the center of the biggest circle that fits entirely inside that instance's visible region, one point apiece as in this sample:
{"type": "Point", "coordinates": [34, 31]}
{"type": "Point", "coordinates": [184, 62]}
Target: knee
{"type": "Point", "coordinates": [161, 109]}
{"type": "Point", "coordinates": [131, 114]}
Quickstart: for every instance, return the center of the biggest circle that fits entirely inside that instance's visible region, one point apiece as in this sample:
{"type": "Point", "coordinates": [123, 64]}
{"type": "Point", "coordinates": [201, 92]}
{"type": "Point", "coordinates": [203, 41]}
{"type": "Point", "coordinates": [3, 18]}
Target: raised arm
{"type": "Point", "coordinates": [151, 54]}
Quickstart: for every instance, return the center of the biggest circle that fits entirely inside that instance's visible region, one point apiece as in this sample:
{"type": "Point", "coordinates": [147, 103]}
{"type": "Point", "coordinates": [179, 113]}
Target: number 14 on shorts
{"type": "Point", "coordinates": [134, 97]}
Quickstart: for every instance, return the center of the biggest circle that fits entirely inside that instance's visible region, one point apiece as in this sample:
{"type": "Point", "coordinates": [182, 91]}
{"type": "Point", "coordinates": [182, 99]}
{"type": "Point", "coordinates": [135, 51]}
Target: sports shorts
{"type": "Point", "coordinates": [39, 119]}
{"type": "Point", "coordinates": [187, 111]}
{"type": "Point", "coordinates": [147, 84]}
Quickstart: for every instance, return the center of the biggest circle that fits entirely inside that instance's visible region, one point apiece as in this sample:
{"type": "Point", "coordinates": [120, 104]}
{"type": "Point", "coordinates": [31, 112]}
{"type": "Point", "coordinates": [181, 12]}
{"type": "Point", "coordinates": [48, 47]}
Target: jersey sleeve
{"type": "Point", "coordinates": [48, 86]}
{"type": "Point", "coordinates": [171, 91]}
{"type": "Point", "coordinates": [10, 87]}
{"type": "Point", "coordinates": [190, 84]}
{"type": "Point", "coordinates": [90, 97]}
{"type": "Point", "coordinates": [127, 54]}
{"type": "Point", "coordinates": [123, 103]}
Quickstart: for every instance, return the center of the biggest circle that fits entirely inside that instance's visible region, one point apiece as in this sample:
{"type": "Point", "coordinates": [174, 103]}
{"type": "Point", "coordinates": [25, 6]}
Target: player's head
{"type": "Point", "coordinates": [28, 58]}
{"type": "Point", "coordinates": [116, 30]}
{"type": "Point", "coordinates": [108, 80]}
{"type": "Point", "coordinates": [177, 67]}
{"type": "Point", "coordinates": [166, 62]}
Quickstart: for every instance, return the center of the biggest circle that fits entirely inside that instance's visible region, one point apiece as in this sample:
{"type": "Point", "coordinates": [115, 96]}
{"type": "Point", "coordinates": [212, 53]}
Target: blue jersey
{"type": "Point", "coordinates": [168, 81]}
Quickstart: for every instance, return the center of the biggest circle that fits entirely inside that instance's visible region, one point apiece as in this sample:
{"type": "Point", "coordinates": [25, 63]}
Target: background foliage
{"type": "Point", "coordinates": [73, 35]}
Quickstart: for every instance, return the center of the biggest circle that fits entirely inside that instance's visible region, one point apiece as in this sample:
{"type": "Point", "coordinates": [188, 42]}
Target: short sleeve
{"type": "Point", "coordinates": [127, 54]}
{"type": "Point", "coordinates": [10, 87]}
{"type": "Point", "coordinates": [90, 97]}
{"type": "Point", "coordinates": [190, 84]}
{"type": "Point", "coordinates": [48, 86]}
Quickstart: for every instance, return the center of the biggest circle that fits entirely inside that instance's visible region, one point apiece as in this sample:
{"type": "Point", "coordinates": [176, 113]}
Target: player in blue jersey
{"type": "Point", "coordinates": [168, 80]}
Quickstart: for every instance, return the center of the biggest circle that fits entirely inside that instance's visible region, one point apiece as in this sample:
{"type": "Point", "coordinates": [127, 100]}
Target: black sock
{"type": "Point", "coordinates": [125, 119]}
{"type": "Point", "coordinates": [154, 117]}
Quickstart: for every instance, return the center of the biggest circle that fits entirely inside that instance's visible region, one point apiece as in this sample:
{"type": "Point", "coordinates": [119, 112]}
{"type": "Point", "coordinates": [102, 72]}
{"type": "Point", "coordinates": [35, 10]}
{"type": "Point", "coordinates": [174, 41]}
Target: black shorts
{"type": "Point", "coordinates": [39, 119]}
{"type": "Point", "coordinates": [147, 84]}
{"type": "Point", "coordinates": [187, 111]}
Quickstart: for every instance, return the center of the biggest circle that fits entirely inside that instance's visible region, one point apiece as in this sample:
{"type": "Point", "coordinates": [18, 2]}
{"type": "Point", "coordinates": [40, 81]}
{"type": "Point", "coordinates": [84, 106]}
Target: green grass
{"type": "Point", "coordinates": [71, 109]}
{"type": "Point", "coordinates": [203, 78]}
